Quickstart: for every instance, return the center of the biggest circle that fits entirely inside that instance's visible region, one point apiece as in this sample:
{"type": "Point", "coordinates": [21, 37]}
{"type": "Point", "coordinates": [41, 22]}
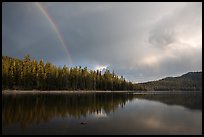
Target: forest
{"type": "Point", "coordinates": [28, 74]}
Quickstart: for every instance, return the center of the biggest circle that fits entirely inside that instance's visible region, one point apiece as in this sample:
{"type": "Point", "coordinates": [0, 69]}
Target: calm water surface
{"type": "Point", "coordinates": [102, 113]}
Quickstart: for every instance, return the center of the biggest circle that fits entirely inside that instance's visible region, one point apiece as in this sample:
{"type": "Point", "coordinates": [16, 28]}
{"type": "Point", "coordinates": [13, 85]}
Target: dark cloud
{"type": "Point", "coordinates": [162, 37]}
{"type": "Point", "coordinates": [142, 41]}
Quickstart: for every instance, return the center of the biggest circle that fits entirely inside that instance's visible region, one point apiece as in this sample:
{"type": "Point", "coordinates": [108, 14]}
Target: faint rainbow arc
{"type": "Point", "coordinates": [54, 27]}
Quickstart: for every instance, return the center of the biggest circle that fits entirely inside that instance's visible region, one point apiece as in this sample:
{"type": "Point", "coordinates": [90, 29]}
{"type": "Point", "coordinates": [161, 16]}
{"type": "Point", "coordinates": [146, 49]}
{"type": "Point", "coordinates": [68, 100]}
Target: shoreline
{"type": "Point", "coordinates": [60, 91]}
{"type": "Point", "coordinates": [4, 92]}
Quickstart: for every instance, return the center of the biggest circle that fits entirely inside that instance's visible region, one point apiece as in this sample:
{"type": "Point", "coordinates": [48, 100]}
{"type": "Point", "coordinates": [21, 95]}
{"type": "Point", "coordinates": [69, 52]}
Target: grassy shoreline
{"type": "Point", "coordinates": [59, 91]}
{"type": "Point", "coordinates": [91, 91]}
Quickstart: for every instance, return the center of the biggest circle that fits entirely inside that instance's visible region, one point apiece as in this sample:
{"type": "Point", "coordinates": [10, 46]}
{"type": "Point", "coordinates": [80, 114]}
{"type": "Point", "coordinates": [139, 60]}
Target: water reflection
{"type": "Point", "coordinates": [191, 100]}
{"type": "Point", "coordinates": [27, 109]}
{"type": "Point", "coordinates": [110, 113]}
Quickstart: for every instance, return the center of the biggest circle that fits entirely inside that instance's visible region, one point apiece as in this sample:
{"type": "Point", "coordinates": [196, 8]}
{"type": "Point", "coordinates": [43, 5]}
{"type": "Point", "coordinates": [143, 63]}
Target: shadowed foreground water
{"type": "Point", "coordinates": [102, 113]}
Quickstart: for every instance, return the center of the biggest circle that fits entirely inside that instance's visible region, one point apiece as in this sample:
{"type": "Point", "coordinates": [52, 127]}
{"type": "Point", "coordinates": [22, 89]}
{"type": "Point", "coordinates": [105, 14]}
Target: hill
{"type": "Point", "coordinates": [191, 81]}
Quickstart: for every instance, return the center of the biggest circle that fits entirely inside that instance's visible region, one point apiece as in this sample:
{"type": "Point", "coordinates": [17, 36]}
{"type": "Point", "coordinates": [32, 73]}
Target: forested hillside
{"type": "Point", "coordinates": [30, 74]}
{"type": "Point", "coordinates": [191, 81]}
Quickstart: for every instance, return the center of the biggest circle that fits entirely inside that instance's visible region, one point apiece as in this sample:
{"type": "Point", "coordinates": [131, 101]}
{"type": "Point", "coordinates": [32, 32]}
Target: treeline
{"type": "Point", "coordinates": [30, 74]}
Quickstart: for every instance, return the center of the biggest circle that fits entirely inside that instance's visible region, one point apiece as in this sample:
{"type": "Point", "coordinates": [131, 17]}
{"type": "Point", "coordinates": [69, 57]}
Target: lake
{"type": "Point", "coordinates": [102, 113]}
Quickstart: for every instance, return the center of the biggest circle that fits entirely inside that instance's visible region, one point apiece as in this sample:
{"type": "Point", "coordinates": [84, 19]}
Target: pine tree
{"type": "Point", "coordinates": [29, 74]}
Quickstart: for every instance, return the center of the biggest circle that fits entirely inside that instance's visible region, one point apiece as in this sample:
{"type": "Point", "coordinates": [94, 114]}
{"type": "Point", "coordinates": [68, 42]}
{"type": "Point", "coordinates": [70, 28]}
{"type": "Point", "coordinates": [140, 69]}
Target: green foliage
{"type": "Point", "coordinates": [29, 74]}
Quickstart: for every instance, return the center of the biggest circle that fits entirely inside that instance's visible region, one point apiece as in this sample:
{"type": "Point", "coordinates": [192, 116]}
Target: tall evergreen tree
{"type": "Point", "coordinates": [29, 74]}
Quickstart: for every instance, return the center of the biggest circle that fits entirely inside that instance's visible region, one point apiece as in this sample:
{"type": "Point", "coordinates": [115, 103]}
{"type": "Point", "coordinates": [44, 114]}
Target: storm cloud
{"type": "Point", "coordinates": [141, 41]}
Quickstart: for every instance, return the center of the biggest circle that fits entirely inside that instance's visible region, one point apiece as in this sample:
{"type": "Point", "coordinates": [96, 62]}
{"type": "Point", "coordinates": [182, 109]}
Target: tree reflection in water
{"type": "Point", "coordinates": [26, 109]}
{"type": "Point", "coordinates": [29, 109]}
{"type": "Point", "coordinates": [190, 100]}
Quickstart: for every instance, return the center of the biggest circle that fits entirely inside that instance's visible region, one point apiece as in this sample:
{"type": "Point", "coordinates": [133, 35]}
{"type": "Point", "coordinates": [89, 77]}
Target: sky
{"type": "Point", "coordinates": [141, 41]}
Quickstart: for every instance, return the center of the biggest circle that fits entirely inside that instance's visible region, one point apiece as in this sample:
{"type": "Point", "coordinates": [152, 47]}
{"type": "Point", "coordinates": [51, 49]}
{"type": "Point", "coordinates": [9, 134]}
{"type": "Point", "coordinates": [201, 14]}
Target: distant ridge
{"type": "Point", "coordinates": [191, 81]}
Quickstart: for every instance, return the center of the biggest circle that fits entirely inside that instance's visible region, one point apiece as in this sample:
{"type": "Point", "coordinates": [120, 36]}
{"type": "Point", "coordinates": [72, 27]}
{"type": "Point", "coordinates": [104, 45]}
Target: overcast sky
{"type": "Point", "coordinates": [141, 41]}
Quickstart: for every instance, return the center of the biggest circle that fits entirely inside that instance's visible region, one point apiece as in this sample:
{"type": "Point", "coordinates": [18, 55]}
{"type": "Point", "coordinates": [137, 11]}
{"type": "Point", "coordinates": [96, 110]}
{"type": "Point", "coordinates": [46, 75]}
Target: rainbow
{"type": "Point", "coordinates": [55, 28]}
